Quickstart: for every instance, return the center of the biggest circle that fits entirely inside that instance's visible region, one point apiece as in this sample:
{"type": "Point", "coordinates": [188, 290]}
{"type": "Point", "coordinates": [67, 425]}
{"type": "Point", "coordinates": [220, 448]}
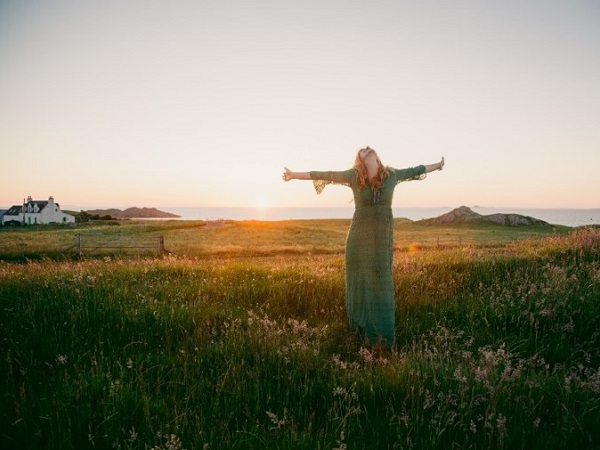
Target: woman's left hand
{"type": "Point", "coordinates": [287, 174]}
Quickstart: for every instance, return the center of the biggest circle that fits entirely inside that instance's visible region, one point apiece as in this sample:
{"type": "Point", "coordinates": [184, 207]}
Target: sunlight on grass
{"type": "Point", "coordinates": [496, 348]}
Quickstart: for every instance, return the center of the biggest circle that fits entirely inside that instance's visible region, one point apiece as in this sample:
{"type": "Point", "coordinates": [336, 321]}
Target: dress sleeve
{"type": "Point", "coordinates": [322, 179]}
{"type": "Point", "coordinates": [410, 174]}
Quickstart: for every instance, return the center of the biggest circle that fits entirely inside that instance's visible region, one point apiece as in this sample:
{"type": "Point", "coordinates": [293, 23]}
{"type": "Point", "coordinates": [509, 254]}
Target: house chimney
{"type": "Point", "coordinates": [51, 199]}
{"type": "Point", "coordinates": [29, 199]}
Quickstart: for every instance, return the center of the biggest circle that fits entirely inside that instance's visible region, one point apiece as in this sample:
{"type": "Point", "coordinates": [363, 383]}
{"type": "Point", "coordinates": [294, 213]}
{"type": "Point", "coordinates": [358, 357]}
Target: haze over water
{"type": "Point", "coordinates": [568, 217]}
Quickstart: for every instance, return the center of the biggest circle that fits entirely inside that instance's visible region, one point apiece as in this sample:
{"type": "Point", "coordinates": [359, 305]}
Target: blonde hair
{"type": "Point", "coordinates": [362, 176]}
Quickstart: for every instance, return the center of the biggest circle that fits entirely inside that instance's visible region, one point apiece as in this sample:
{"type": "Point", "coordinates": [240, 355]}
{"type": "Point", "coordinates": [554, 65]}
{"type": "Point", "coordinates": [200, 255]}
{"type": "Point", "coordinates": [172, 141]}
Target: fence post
{"type": "Point", "coordinates": [161, 244]}
{"type": "Point", "coordinates": [78, 242]}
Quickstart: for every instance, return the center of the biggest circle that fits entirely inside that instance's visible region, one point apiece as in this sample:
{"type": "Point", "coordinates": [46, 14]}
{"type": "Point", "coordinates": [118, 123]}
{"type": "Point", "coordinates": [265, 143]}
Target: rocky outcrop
{"type": "Point", "coordinates": [133, 213]}
{"type": "Point", "coordinates": [459, 215]}
{"type": "Point", "coordinates": [514, 220]}
{"type": "Point", "coordinates": [465, 214]}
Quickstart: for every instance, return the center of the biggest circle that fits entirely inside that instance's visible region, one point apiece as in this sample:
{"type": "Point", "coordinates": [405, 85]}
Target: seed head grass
{"type": "Point", "coordinates": [497, 348]}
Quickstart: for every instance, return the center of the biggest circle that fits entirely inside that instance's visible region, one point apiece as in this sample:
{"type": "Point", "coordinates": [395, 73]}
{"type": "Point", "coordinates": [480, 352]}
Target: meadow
{"type": "Point", "coordinates": [237, 339]}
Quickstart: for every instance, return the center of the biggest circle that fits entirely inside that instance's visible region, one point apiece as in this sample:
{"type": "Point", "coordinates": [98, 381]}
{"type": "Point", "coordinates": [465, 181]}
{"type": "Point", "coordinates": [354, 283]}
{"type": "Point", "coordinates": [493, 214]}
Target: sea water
{"type": "Point", "coordinates": [568, 217]}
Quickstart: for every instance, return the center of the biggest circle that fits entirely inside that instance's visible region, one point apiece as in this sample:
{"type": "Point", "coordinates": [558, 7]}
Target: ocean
{"type": "Point", "coordinates": [568, 217]}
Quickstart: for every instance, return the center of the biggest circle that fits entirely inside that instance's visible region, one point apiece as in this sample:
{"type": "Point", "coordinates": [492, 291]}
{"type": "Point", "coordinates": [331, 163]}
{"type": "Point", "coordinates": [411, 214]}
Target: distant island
{"type": "Point", "coordinates": [464, 214]}
{"type": "Point", "coordinates": [133, 213]}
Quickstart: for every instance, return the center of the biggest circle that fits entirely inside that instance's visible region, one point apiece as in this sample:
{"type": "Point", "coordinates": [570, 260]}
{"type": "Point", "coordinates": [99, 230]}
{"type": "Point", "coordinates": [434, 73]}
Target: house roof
{"type": "Point", "coordinates": [41, 203]}
{"type": "Point", "coordinates": [15, 210]}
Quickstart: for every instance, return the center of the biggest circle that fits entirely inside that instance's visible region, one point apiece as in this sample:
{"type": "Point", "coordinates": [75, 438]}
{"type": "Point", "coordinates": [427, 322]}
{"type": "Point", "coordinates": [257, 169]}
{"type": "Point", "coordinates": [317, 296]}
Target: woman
{"type": "Point", "coordinates": [369, 245]}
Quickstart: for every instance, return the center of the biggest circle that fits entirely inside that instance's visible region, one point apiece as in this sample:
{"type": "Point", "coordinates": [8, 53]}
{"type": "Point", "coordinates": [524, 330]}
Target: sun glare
{"type": "Point", "coordinates": [261, 203]}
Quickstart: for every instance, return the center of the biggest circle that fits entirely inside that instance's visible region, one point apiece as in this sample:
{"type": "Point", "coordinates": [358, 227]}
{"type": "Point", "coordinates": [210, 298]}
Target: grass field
{"type": "Point", "coordinates": [238, 339]}
{"type": "Point", "coordinates": [244, 238]}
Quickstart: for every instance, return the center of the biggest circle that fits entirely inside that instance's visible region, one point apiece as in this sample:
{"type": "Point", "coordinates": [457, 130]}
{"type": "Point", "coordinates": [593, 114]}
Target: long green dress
{"type": "Point", "coordinates": [369, 252]}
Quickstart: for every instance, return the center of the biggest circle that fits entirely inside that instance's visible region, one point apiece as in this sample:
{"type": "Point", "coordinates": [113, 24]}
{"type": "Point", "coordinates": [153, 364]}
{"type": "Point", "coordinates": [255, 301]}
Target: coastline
{"type": "Point", "coordinates": [571, 217]}
{"type": "Point", "coordinates": [554, 216]}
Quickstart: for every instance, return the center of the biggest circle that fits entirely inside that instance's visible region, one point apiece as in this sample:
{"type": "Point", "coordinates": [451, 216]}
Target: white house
{"type": "Point", "coordinates": [34, 212]}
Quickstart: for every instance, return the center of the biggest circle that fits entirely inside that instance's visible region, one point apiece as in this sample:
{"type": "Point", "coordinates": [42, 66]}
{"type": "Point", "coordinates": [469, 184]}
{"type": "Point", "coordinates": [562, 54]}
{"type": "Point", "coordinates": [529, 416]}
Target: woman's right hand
{"type": "Point", "coordinates": [289, 175]}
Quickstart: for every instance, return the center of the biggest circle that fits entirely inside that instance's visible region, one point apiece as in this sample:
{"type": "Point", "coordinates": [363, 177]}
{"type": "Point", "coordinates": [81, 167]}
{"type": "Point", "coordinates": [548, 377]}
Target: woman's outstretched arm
{"type": "Point", "coordinates": [435, 166]}
{"type": "Point", "coordinates": [289, 175]}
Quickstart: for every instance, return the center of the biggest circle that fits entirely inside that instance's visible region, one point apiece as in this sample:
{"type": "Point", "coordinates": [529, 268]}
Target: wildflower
{"type": "Point", "coordinates": [115, 387]}
{"type": "Point", "coordinates": [403, 419]}
{"type": "Point", "coordinates": [428, 400]}
{"type": "Point", "coordinates": [277, 423]}
{"type": "Point", "coordinates": [172, 443]}
{"type": "Point", "coordinates": [569, 327]}
{"type": "Point", "coordinates": [340, 391]}
{"type": "Point", "coordinates": [458, 376]}
{"type": "Point", "coordinates": [341, 443]}
{"type": "Point", "coordinates": [568, 381]}
{"type": "Point", "coordinates": [501, 424]}
{"type": "Point", "coordinates": [507, 372]}
{"type": "Point", "coordinates": [132, 435]}
{"type": "Point", "coordinates": [343, 364]}
{"type": "Point", "coordinates": [480, 373]}
{"type": "Point", "coordinates": [366, 355]}
{"type": "Point", "coordinates": [473, 427]}
{"type": "Point", "coordinates": [61, 359]}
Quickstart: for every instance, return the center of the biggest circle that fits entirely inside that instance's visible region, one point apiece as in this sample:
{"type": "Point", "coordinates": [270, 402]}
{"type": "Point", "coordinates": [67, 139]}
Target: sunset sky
{"type": "Point", "coordinates": [202, 103]}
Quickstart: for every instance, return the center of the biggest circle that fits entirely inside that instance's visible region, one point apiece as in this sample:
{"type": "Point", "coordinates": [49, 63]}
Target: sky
{"type": "Point", "coordinates": [202, 103]}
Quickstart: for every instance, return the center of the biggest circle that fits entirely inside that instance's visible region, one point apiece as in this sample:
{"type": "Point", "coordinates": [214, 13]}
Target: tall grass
{"type": "Point", "coordinates": [496, 350]}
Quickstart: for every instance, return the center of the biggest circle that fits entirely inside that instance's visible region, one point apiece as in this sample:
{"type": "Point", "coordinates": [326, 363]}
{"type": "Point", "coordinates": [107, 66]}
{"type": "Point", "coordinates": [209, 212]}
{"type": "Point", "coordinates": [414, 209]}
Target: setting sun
{"type": "Point", "coordinates": [262, 203]}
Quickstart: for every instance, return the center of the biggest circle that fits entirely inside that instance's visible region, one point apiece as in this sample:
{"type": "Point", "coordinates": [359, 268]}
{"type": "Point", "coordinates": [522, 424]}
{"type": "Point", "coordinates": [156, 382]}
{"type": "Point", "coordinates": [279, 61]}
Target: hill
{"type": "Point", "coordinates": [133, 213]}
{"type": "Point", "coordinates": [465, 214]}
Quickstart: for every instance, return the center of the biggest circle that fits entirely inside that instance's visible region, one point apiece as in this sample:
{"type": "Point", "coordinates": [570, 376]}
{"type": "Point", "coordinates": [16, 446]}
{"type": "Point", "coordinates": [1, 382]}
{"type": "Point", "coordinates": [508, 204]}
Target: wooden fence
{"type": "Point", "coordinates": [90, 243]}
